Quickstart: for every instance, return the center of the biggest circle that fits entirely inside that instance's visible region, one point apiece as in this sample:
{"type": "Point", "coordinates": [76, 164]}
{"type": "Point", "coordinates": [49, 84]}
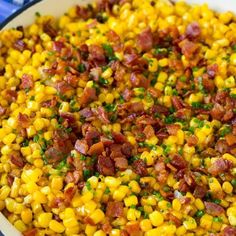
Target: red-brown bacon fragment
{"type": "Point", "coordinates": [115, 209]}
{"type": "Point", "coordinates": [89, 95]}
{"type": "Point", "coordinates": [229, 231]}
{"type": "Point", "coordinates": [188, 48]}
{"type": "Point", "coordinates": [145, 39]}
{"type": "Point", "coordinates": [26, 81]}
{"type": "Point", "coordinates": [121, 163]}
{"type": "Point", "coordinates": [212, 70]}
{"type": "Point", "coordinates": [217, 111]}
{"type": "Point", "coordinates": [62, 87]}
{"type": "Point", "coordinates": [102, 115]}
{"type": "Point", "coordinates": [192, 140]}
{"type": "Point", "coordinates": [23, 120]}
{"type": "Point", "coordinates": [133, 229]}
{"type": "Point", "coordinates": [172, 129]}
{"type": "Point", "coordinates": [96, 149]}
{"type": "Point", "coordinates": [105, 166]}
{"type": "Point", "coordinates": [17, 160]}
{"type": "Point", "coordinates": [58, 45]}
{"type": "Point", "coordinates": [139, 80]}
{"type": "Point", "coordinates": [97, 55]}
{"type": "Point", "coordinates": [20, 45]}
{"type": "Point", "coordinates": [2, 110]}
{"type": "Point", "coordinates": [178, 162]}
{"type": "Point", "coordinates": [30, 232]}
{"type": "Point", "coordinates": [139, 167]}
{"type": "Point", "coordinates": [220, 166]}
{"type": "Point", "coordinates": [149, 131]}
{"type": "Point", "coordinates": [230, 139]}
{"type": "Point", "coordinates": [177, 102]}
{"type": "Point", "coordinates": [49, 29]}
{"type": "Point", "coordinates": [81, 146]}
{"type": "Point", "coordinates": [214, 209]}
{"type": "Point", "coordinates": [193, 30]}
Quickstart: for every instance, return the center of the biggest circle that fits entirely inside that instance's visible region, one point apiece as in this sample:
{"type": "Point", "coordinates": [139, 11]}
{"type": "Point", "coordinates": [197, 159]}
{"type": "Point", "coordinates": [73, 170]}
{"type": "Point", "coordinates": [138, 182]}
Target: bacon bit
{"type": "Point", "coordinates": [132, 229]}
{"type": "Point", "coordinates": [20, 45]}
{"type": "Point", "coordinates": [82, 12]}
{"type": "Point", "coordinates": [105, 166]}
{"type": "Point", "coordinates": [160, 169]}
{"type": "Point", "coordinates": [230, 139]}
{"type": "Point", "coordinates": [73, 177]}
{"type": "Point", "coordinates": [212, 70]}
{"type": "Point", "coordinates": [72, 80]}
{"type": "Point", "coordinates": [188, 177]}
{"type": "Point", "coordinates": [200, 191]}
{"type": "Point", "coordinates": [183, 113]}
{"type": "Point", "coordinates": [172, 129]}
{"type": "Point", "coordinates": [53, 155]}
{"type": "Point", "coordinates": [118, 137]}
{"type": "Point", "coordinates": [89, 95]}
{"type": "Point", "coordinates": [49, 29]}
{"type": "Point", "coordinates": [69, 194]}
{"type": "Point", "coordinates": [86, 113]}
{"type": "Point", "coordinates": [69, 117]}
{"type": "Point", "coordinates": [11, 95]}
{"type": "Point", "coordinates": [149, 131]}
{"type": "Point", "coordinates": [145, 39]}
{"type": "Point", "coordinates": [23, 120]}
{"type": "Point", "coordinates": [162, 135]}
{"type": "Point", "coordinates": [2, 110]}
{"type": "Point", "coordinates": [62, 87]}
{"type": "Point", "coordinates": [139, 167]}
{"type": "Point", "coordinates": [228, 115]}
{"type": "Point", "coordinates": [220, 166]}
{"type": "Point", "coordinates": [91, 134]}
{"type": "Point", "coordinates": [127, 149]}
{"type": "Point", "coordinates": [95, 73]}
{"type": "Point", "coordinates": [30, 232]}
{"type": "Point", "coordinates": [146, 120]}
{"type": "Point", "coordinates": [121, 163]}
{"type": "Point", "coordinates": [177, 102]}
{"type": "Point", "coordinates": [193, 31]}
{"type": "Point", "coordinates": [217, 111]}
{"type": "Point", "coordinates": [221, 146]}
{"type": "Point", "coordinates": [130, 59]}
{"type": "Point", "coordinates": [10, 180]}
{"type": "Point", "coordinates": [102, 115]}
{"type": "Point", "coordinates": [229, 231]}
{"type": "Point", "coordinates": [88, 220]}
{"type": "Point", "coordinates": [57, 46]}
{"type": "Point", "coordinates": [106, 227]}
{"type": "Point", "coordinates": [50, 103]}
{"type": "Point", "coordinates": [178, 162]}
{"type": "Point", "coordinates": [113, 36]}
{"type": "Point", "coordinates": [139, 80]}
{"type": "Point", "coordinates": [192, 140]}
{"type": "Point", "coordinates": [81, 146]}
{"type": "Point", "coordinates": [124, 232]}
{"type": "Point", "coordinates": [57, 202]}
{"type": "Point", "coordinates": [174, 219]}
{"type": "Point", "coordinates": [214, 209]}
{"type": "Point", "coordinates": [185, 200]}
{"type": "Point", "coordinates": [208, 84]}
{"type": "Point", "coordinates": [26, 81]}
{"type": "Point", "coordinates": [106, 141]}
{"type": "Point", "coordinates": [96, 149]}
{"type": "Point", "coordinates": [115, 209]}
{"type": "Point", "coordinates": [127, 94]}
{"type": "Point", "coordinates": [188, 48]}
{"type": "Point", "coordinates": [154, 92]}
{"type": "Point", "coordinates": [17, 160]}
{"type": "Point", "coordinates": [160, 109]}
{"type": "Point", "coordinates": [97, 55]}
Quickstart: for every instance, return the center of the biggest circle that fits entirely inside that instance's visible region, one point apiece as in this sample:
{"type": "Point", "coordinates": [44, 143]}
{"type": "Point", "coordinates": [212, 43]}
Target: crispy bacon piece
{"type": "Point", "coordinates": [88, 220]}
{"type": "Point", "coordinates": [2, 110]}
{"type": "Point", "coordinates": [177, 102]}
{"type": "Point", "coordinates": [86, 113]}
{"type": "Point", "coordinates": [57, 46]}
{"type": "Point", "coordinates": [127, 94]}
{"type": "Point", "coordinates": [115, 209]}
{"type": "Point", "coordinates": [160, 169]}
{"type": "Point", "coordinates": [97, 55]}
{"type": "Point", "coordinates": [192, 140]}
{"type": "Point", "coordinates": [11, 95]}
{"type": "Point", "coordinates": [220, 166]}
{"type": "Point", "coordinates": [105, 166]}
{"type": "Point", "coordinates": [69, 194]}
{"type": "Point", "coordinates": [139, 167]}
{"type": "Point", "coordinates": [62, 87]}
{"type": "Point", "coordinates": [172, 129]}
{"type": "Point", "coordinates": [139, 80]}
{"type": "Point", "coordinates": [118, 137]}
{"type": "Point", "coordinates": [96, 149]}
{"type": "Point", "coordinates": [193, 31]}
{"type": "Point", "coordinates": [113, 36]}
{"type": "Point", "coordinates": [217, 111]}
{"type": "Point", "coordinates": [91, 135]}
{"type": "Point", "coordinates": [121, 163]}
{"type": "Point", "coordinates": [69, 117]}
{"type": "Point", "coordinates": [53, 155]}
{"type": "Point", "coordinates": [81, 146]}
{"type": "Point", "coordinates": [30, 232]}
{"type": "Point", "coordinates": [178, 162]}
{"type": "Point", "coordinates": [72, 177]}
{"type": "Point", "coordinates": [230, 139]}
{"type": "Point", "coordinates": [133, 229]}
{"type": "Point", "coordinates": [188, 48]}
{"type": "Point", "coordinates": [26, 81]}
{"type": "Point", "coordinates": [146, 120]}
{"type": "Point", "coordinates": [160, 109]}
{"type": "Point", "coordinates": [214, 209]}
{"type": "Point", "coordinates": [20, 45]}
{"type": "Point", "coordinates": [95, 73]}
{"type": "Point", "coordinates": [102, 115]}
{"type": "Point", "coordinates": [50, 103]}
{"type": "Point", "coordinates": [89, 95]}
{"type": "Point", "coordinates": [229, 231]}
{"type": "Point", "coordinates": [208, 84]}
{"type": "Point", "coordinates": [49, 29]}
{"type": "Point", "coordinates": [145, 39]}
{"type": "Point", "coordinates": [174, 219]}
{"type": "Point", "coordinates": [127, 149]}
{"type": "Point", "coordinates": [130, 59]}
{"type": "Point", "coordinates": [221, 146]}
{"type": "Point", "coordinates": [212, 70]}
{"type": "Point", "coordinates": [17, 160]}
{"type": "Point", "coordinates": [200, 191]}
{"type": "Point", "coordinates": [106, 227]}
{"type": "Point", "coordinates": [149, 131]}
{"type": "Point", "coordinates": [23, 120]}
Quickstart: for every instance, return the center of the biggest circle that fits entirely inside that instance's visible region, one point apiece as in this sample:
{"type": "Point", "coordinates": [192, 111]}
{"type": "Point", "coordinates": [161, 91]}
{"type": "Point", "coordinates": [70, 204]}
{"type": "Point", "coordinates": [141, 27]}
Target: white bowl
{"type": "Point", "coordinates": [26, 15]}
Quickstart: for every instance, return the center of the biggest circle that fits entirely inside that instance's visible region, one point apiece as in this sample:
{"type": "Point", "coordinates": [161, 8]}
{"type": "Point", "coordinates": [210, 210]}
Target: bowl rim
{"type": "Point", "coordinates": [18, 12]}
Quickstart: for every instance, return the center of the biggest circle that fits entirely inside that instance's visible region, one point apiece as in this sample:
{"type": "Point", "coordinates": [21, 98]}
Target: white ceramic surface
{"type": "Point", "coordinates": [57, 8]}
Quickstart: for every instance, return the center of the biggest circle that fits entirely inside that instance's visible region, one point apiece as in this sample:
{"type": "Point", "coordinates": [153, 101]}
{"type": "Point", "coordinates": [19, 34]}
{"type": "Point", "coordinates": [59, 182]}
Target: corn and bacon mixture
{"type": "Point", "coordinates": [119, 118]}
